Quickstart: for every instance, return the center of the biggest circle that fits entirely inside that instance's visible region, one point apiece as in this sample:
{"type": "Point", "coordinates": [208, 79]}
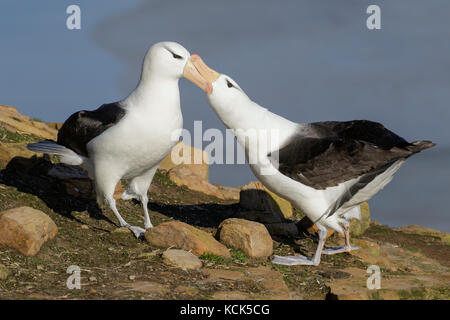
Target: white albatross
{"type": "Point", "coordinates": [129, 138]}
{"type": "Point", "coordinates": [326, 169]}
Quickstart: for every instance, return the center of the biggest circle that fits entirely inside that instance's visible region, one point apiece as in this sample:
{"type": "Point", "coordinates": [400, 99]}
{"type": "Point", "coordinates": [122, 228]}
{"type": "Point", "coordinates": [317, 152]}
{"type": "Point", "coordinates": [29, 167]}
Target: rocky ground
{"type": "Point", "coordinates": [214, 256]}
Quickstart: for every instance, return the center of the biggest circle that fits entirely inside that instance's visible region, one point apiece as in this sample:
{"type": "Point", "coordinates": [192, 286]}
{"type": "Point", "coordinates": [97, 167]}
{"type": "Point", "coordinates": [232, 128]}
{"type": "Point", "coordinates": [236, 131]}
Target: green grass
{"type": "Point", "coordinates": [36, 119]}
{"type": "Point", "coordinates": [210, 257]}
{"type": "Point", "coordinates": [238, 255]}
{"type": "Point", "coordinates": [8, 136]}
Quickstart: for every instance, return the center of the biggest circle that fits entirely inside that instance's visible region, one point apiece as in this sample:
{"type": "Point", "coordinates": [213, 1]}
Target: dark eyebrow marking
{"type": "Point", "coordinates": [176, 56]}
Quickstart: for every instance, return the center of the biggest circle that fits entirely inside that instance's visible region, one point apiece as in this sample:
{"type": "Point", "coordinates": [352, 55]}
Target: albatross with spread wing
{"type": "Point", "coordinates": [326, 169]}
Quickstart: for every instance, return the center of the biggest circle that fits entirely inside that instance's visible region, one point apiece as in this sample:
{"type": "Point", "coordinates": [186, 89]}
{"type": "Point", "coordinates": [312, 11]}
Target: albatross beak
{"type": "Point", "coordinates": [206, 72]}
{"type": "Point", "coordinates": [191, 73]}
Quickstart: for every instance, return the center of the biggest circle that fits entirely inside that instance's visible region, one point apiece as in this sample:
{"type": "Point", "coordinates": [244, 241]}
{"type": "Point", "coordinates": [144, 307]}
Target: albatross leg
{"type": "Point", "coordinates": [347, 247]}
{"type": "Point", "coordinates": [302, 260]}
{"type": "Point", "coordinates": [137, 231]}
{"type": "Point", "coordinates": [112, 204]}
{"type": "Point", "coordinates": [138, 188]}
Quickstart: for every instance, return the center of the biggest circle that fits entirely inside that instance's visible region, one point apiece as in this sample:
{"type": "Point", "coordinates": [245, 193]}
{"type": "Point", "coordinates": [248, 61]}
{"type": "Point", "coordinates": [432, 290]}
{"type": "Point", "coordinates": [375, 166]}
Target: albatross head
{"type": "Point", "coordinates": [225, 92]}
{"type": "Point", "coordinates": [171, 60]}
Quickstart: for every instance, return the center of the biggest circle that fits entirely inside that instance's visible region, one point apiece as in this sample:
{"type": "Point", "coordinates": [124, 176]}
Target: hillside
{"type": "Point", "coordinates": [414, 261]}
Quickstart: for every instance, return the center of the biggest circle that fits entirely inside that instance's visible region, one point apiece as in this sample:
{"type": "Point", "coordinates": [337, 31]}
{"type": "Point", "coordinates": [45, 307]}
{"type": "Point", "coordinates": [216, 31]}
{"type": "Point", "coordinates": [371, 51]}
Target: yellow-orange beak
{"type": "Point", "coordinates": [206, 72]}
{"type": "Point", "coordinates": [192, 74]}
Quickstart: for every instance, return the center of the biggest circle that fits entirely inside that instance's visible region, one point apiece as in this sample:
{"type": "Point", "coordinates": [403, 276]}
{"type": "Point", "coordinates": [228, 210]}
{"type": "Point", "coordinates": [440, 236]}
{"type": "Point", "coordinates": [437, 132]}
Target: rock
{"type": "Point", "coordinates": [10, 150]}
{"type": "Point", "coordinates": [194, 159]}
{"type": "Point", "coordinates": [254, 196]}
{"type": "Point", "coordinates": [182, 175]}
{"type": "Point", "coordinates": [182, 259]}
{"type": "Point", "coordinates": [14, 121]}
{"type": "Point", "coordinates": [358, 227]}
{"type": "Point", "coordinates": [184, 236]}
{"type": "Point", "coordinates": [221, 274]}
{"type": "Point", "coordinates": [123, 230]}
{"type": "Point", "coordinates": [4, 272]}
{"type": "Point", "coordinates": [415, 229]}
{"type": "Point", "coordinates": [402, 286]}
{"type": "Point", "coordinates": [283, 229]}
{"type": "Point", "coordinates": [249, 236]}
{"type": "Point", "coordinates": [55, 125]}
{"type": "Point", "coordinates": [26, 229]}
{"type": "Point", "coordinates": [271, 281]}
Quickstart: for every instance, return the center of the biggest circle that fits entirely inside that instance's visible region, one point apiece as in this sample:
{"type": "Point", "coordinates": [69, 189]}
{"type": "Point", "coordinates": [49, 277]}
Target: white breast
{"type": "Point", "coordinates": [138, 142]}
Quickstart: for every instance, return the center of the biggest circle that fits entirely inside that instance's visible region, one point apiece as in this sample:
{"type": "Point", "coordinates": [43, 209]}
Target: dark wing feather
{"type": "Point", "coordinates": [83, 126]}
{"type": "Point", "coordinates": [334, 152]}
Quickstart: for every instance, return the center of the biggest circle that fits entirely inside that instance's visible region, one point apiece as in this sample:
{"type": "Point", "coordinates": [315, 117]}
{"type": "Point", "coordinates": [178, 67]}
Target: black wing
{"type": "Point", "coordinates": [334, 152]}
{"type": "Point", "coordinates": [83, 126]}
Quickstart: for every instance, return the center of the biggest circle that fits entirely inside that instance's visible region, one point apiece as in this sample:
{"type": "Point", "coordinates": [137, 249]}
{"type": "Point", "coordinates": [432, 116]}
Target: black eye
{"type": "Point", "coordinates": [176, 56]}
{"type": "Point", "coordinates": [229, 84]}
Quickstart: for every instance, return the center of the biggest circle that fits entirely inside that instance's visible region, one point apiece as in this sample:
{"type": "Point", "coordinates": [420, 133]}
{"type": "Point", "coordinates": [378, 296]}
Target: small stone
{"type": "Point", "coordinates": [181, 259]}
{"type": "Point", "coordinates": [122, 230]}
{"type": "Point", "coordinates": [92, 291]}
{"type": "Point", "coordinates": [249, 236]}
{"type": "Point", "coordinates": [4, 272]}
{"type": "Point", "coordinates": [85, 227]}
{"type": "Point", "coordinates": [40, 267]}
{"type": "Point", "coordinates": [181, 235]}
{"type": "Point", "coordinates": [26, 229]}
{"type": "Point", "coordinates": [92, 279]}
{"type": "Point", "coordinates": [132, 277]}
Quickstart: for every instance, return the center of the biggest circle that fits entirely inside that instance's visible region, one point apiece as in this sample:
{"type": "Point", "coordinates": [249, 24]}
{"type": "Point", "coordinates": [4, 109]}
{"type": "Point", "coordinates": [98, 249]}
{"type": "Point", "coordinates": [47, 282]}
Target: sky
{"type": "Point", "coordinates": [306, 60]}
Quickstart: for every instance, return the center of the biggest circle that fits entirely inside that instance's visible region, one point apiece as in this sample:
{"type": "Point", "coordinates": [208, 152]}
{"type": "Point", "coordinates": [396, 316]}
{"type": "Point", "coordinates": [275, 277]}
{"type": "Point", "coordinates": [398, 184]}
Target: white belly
{"type": "Point", "coordinates": [136, 144]}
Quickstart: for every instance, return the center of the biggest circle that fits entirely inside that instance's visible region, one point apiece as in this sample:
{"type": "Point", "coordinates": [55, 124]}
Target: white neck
{"type": "Point", "coordinates": [249, 117]}
{"type": "Point", "coordinates": [154, 88]}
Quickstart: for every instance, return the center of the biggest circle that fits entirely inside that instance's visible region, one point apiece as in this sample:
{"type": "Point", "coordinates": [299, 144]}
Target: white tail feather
{"type": "Point", "coordinates": [66, 155]}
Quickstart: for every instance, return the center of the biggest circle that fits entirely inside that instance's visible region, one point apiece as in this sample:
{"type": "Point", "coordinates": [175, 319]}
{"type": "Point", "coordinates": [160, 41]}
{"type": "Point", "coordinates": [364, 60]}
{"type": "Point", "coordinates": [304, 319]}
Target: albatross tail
{"type": "Point", "coordinates": [66, 155]}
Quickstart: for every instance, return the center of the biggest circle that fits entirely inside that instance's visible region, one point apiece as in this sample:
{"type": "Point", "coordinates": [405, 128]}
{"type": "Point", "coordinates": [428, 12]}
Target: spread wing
{"type": "Point", "coordinates": [326, 154]}
{"type": "Point", "coordinates": [83, 126]}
